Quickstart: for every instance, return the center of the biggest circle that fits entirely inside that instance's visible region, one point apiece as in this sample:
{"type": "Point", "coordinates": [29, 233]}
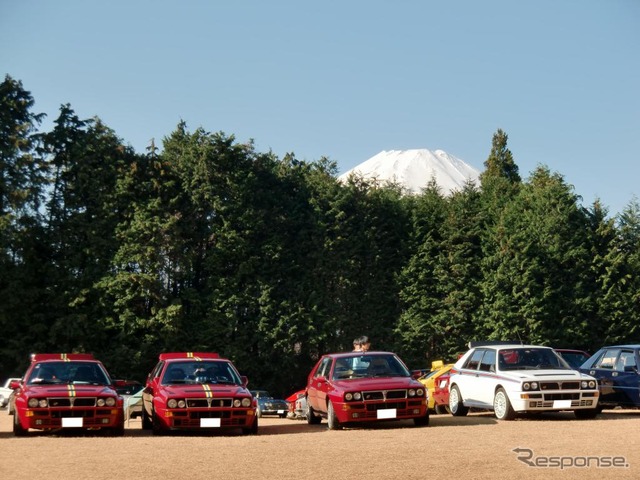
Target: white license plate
{"type": "Point", "coordinates": [280, 412]}
{"type": "Point", "coordinates": [210, 422]}
{"type": "Point", "coordinates": [562, 404]}
{"type": "Point", "coordinates": [71, 422]}
{"type": "Point", "coordinates": [387, 413]}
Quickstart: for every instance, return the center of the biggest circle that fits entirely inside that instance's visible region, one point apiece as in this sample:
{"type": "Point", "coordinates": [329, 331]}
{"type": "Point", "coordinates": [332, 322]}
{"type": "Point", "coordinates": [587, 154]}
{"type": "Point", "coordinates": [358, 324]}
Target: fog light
{"type": "Point", "coordinates": [105, 420]}
{"type": "Point", "coordinates": [38, 422]}
{"type": "Point", "coordinates": [416, 411]}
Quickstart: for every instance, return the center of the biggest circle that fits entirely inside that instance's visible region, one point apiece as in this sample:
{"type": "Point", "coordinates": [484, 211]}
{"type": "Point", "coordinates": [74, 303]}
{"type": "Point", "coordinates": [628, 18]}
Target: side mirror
{"type": "Point", "coordinates": [245, 380]}
{"type": "Point", "coordinates": [13, 384]}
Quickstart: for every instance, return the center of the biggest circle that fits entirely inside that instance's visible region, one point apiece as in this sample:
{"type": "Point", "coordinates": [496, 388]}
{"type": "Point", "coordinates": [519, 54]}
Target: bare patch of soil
{"type": "Point", "coordinates": [472, 447]}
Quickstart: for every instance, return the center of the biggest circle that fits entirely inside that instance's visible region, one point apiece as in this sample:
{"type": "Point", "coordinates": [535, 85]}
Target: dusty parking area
{"type": "Point", "coordinates": [472, 447]}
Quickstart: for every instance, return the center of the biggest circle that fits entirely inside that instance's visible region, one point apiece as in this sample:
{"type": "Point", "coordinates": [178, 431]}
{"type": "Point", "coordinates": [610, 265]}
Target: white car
{"type": "Point", "coordinates": [512, 379]}
{"type": "Point", "coordinates": [5, 392]}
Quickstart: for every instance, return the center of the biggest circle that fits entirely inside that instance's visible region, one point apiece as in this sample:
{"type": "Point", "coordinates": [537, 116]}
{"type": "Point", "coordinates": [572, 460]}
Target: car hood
{"type": "Point", "coordinates": [70, 390]}
{"type": "Point", "coordinates": [204, 390]}
{"type": "Point", "coordinates": [542, 375]}
{"type": "Point", "coordinates": [386, 383]}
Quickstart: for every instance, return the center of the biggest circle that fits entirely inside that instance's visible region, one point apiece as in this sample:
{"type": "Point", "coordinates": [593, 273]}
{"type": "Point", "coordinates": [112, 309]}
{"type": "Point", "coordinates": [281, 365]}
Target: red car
{"type": "Point", "coordinates": [441, 393]}
{"type": "Point", "coordinates": [194, 391]}
{"type": "Point", "coordinates": [66, 390]}
{"type": "Point", "coordinates": [360, 387]}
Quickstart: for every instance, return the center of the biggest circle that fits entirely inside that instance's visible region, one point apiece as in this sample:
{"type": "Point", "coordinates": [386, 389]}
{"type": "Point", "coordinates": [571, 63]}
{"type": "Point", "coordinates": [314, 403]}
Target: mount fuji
{"type": "Point", "coordinates": [413, 169]}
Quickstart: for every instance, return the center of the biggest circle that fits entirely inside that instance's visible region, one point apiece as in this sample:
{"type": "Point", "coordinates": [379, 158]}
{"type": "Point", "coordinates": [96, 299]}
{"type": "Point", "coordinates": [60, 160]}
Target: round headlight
{"type": "Point", "coordinates": [420, 392]}
{"type": "Point", "coordinates": [100, 402]}
{"type": "Point", "coordinates": [172, 403]}
{"type": "Point", "coordinates": [412, 392]}
{"type": "Point", "coordinates": [348, 396]}
{"type": "Point", "coordinates": [246, 402]}
{"type": "Point", "coordinates": [357, 396]}
{"type": "Point", "coordinates": [534, 385]}
{"type": "Point", "coordinates": [182, 404]}
{"type": "Point", "coordinates": [584, 384]}
{"type": "Point", "coordinates": [110, 401]}
{"type": "Point", "coordinates": [237, 402]}
{"type": "Point", "coordinates": [33, 402]}
{"type": "Point", "coordinates": [526, 386]}
{"type": "Point", "coordinates": [592, 384]}
{"type": "Point", "coordinates": [42, 403]}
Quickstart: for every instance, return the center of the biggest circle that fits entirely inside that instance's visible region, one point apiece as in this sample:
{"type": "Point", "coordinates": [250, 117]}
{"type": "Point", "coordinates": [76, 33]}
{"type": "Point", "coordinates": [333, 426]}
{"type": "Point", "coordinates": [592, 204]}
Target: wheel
{"type": "Point", "coordinates": [312, 418]}
{"type": "Point", "coordinates": [147, 424]}
{"type": "Point", "coordinates": [442, 409]}
{"type": "Point", "coordinates": [422, 421]}
{"type": "Point", "coordinates": [253, 429]}
{"type": "Point", "coordinates": [158, 427]}
{"type": "Point", "coordinates": [332, 419]}
{"type": "Point", "coordinates": [258, 412]}
{"type": "Point", "coordinates": [117, 431]}
{"type": "Point", "coordinates": [502, 406]}
{"type": "Point", "coordinates": [283, 415]}
{"type": "Point", "coordinates": [456, 406]}
{"type": "Point", "coordinates": [18, 431]}
{"type": "Point", "coordinates": [586, 414]}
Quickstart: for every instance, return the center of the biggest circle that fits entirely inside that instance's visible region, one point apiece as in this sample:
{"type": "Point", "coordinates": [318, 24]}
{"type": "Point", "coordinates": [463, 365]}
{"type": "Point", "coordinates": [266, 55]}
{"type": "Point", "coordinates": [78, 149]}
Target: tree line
{"type": "Point", "coordinates": [205, 244]}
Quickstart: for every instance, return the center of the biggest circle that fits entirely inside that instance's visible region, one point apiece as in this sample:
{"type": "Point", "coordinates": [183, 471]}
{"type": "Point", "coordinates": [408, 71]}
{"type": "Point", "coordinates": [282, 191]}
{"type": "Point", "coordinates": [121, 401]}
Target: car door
{"type": "Point", "coordinates": [473, 381]}
{"type": "Point", "coordinates": [625, 378]}
{"type": "Point", "coordinates": [317, 388]}
{"type": "Point", "coordinates": [149, 390]}
{"type": "Point", "coordinates": [602, 368]}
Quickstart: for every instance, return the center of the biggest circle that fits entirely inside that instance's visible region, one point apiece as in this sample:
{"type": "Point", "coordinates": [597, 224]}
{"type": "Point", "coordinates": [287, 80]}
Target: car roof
{"type": "Point", "coordinates": [509, 346]}
{"type": "Point", "coordinates": [623, 346]}
{"type": "Point", "coordinates": [351, 354]}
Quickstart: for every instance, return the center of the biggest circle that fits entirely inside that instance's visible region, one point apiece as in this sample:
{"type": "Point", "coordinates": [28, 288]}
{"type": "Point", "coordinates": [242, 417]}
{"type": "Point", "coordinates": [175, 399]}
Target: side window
{"type": "Point", "coordinates": [156, 370]}
{"type": "Point", "coordinates": [474, 360]}
{"type": "Point", "coordinates": [626, 361]}
{"type": "Point", "coordinates": [488, 363]}
{"type": "Point", "coordinates": [323, 369]}
{"type": "Point", "coordinates": [608, 360]}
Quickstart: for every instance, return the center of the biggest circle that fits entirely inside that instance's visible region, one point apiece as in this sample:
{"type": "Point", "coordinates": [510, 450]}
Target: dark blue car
{"type": "Point", "coordinates": [616, 368]}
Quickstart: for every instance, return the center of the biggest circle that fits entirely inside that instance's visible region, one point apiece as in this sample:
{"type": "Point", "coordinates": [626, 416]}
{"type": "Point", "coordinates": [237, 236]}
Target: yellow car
{"type": "Point", "coordinates": [438, 368]}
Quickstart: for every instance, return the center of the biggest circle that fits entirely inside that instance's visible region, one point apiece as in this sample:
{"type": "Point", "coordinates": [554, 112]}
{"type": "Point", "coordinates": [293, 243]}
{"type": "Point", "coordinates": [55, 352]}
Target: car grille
{"type": "Point", "coordinates": [549, 404]}
{"type": "Point", "coordinates": [561, 396]}
{"type": "Point", "coordinates": [209, 402]}
{"type": "Point", "coordinates": [57, 402]}
{"type": "Point", "coordinates": [559, 386]}
{"type": "Point", "coordinates": [377, 395]}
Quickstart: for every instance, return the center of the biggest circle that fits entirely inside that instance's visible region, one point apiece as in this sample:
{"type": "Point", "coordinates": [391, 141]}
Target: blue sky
{"type": "Point", "coordinates": [348, 79]}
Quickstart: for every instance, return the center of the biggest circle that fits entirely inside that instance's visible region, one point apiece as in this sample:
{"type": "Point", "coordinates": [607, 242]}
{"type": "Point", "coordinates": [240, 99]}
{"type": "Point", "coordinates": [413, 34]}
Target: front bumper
{"type": "Point", "coordinates": [352, 412]}
{"type": "Point", "coordinates": [88, 418]}
{"type": "Point", "coordinates": [554, 400]}
{"type": "Point", "coordinates": [198, 418]}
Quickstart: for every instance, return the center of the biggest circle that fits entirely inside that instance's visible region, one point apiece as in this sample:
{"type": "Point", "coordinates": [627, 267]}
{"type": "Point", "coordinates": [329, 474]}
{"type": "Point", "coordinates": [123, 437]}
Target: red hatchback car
{"type": "Point", "coordinates": [61, 391]}
{"type": "Point", "coordinates": [196, 391]}
{"type": "Point", "coordinates": [359, 387]}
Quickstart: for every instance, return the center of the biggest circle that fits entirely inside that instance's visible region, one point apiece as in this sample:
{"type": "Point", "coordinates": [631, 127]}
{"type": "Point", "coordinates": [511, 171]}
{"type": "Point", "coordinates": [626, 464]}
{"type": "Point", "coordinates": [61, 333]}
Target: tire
{"type": "Point", "coordinates": [332, 420]}
{"type": "Point", "coordinates": [442, 409]}
{"type": "Point", "coordinates": [18, 431]}
{"type": "Point", "coordinates": [253, 429]}
{"type": "Point", "coordinates": [117, 431]}
{"type": "Point", "coordinates": [147, 424]}
{"type": "Point", "coordinates": [586, 414]}
{"type": "Point", "coordinates": [312, 418]}
{"type": "Point", "coordinates": [422, 421]}
{"type": "Point", "coordinates": [456, 407]}
{"type": "Point", "coordinates": [502, 406]}
{"type": "Point", "coordinates": [158, 428]}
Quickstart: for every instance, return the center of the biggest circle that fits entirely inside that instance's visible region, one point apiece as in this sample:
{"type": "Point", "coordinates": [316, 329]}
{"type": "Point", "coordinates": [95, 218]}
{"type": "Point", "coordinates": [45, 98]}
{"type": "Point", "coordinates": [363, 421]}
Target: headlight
{"type": "Point", "coordinates": [33, 402]}
{"type": "Point", "coordinates": [584, 384]}
{"type": "Point", "coordinates": [172, 403]}
{"type": "Point", "coordinates": [534, 385]}
{"type": "Point", "coordinates": [592, 384]}
{"type": "Point", "coordinates": [42, 403]}
{"type": "Point", "coordinates": [100, 402]}
{"type": "Point", "coordinates": [182, 404]}
{"type": "Point", "coordinates": [348, 396]}
{"type": "Point", "coordinates": [526, 386]}
{"type": "Point", "coordinates": [110, 401]}
{"type": "Point", "coordinates": [357, 396]}
{"type": "Point", "coordinates": [246, 402]}
{"type": "Point", "coordinates": [420, 392]}
{"type": "Point", "coordinates": [412, 392]}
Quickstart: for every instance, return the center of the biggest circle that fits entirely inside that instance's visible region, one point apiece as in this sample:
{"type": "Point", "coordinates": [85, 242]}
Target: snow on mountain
{"type": "Point", "coordinates": [415, 168]}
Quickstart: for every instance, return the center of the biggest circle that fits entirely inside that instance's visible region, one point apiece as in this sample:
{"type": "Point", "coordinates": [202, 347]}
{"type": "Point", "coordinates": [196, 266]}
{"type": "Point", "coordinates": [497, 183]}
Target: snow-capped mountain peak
{"type": "Point", "coordinates": [413, 169]}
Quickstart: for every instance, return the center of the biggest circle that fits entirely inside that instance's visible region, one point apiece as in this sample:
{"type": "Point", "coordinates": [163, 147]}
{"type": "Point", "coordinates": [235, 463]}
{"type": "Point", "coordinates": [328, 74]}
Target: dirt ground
{"type": "Point", "coordinates": [472, 447]}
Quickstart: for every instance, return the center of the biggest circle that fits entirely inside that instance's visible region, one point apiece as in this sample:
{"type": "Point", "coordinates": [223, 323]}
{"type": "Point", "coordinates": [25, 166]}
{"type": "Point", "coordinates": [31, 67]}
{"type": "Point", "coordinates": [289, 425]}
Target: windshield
{"type": "Point", "coordinates": [368, 366]}
{"type": "Point", "coordinates": [200, 372]}
{"type": "Point", "coordinates": [51, 373]}
{"type": "Point", "coordinates": [530, 359]}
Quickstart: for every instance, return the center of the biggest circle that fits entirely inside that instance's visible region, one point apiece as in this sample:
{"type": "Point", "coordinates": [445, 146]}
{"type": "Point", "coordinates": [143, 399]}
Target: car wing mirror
{"type": "Point", "coordinates": [245, 380]}
{"type": "Point", "coordinates": [14, 384]}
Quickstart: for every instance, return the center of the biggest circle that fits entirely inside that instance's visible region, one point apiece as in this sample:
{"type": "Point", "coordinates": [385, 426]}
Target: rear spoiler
{"type": "Point", "coordinates": [486, 343]}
